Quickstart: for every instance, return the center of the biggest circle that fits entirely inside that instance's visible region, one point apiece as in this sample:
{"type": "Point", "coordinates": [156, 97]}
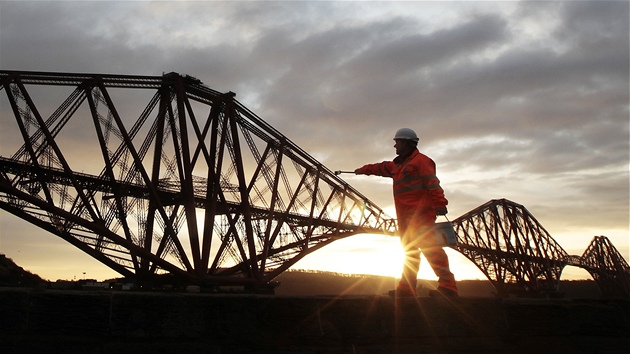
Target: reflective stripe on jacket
{"type": "Point", "coordinates": [417, 191]}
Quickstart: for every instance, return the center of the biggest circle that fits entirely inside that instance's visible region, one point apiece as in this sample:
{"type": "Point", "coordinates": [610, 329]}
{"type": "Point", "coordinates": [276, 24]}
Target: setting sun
{"type": "Point", "coordinates": [379, 255]}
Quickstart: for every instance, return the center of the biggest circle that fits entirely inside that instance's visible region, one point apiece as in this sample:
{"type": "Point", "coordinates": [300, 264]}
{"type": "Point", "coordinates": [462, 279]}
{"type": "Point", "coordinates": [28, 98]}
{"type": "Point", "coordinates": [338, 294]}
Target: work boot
{"type": "Point", "coordinates": [443, 292]}
{"type": "Point", "coordinates": [403, 290]}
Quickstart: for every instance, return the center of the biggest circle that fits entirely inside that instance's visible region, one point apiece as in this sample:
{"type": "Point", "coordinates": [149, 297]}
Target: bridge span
{"type": "Point", "coordinates": [170, 178]}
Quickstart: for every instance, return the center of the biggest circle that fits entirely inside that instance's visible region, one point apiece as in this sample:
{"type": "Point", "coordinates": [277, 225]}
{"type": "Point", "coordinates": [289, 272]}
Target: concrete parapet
{"type": "Point", "coordinates": [122, 322]}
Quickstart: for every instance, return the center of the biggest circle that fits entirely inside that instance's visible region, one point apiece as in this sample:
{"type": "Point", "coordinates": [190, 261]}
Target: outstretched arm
{"type": "Point", "coordinates": [377, 169]}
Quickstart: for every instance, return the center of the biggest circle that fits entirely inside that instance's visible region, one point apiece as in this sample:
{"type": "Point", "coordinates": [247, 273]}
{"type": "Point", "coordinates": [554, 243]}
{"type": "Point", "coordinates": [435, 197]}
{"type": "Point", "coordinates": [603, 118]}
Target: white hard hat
{"type": "Point", "coordinates": [406, 134]}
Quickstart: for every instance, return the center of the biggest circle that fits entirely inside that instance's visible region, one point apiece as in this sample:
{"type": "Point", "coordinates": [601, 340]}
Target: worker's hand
{"type": "Point", "coordinates": [441, 211]}
{"type": "Point", "coordinates": [356, 172]}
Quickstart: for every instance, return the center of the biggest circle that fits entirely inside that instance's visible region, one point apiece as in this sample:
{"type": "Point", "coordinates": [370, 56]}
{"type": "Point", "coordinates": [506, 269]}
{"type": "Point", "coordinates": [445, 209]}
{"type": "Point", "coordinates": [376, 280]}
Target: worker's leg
{"type": "Point", "coordinates": [410, 242]}
{"type": "Point", "coordinates": [438, 260]}
{"type": "Point", "coordinates": [410, 268]}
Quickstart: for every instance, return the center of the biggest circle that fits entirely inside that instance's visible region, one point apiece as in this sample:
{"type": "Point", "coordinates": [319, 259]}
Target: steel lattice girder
{"type": "Point", "coordinates": [509, 245]}
{"type": "Point", "coordinates": [519, 256]}
{"type": "Point", "coordinates": [197, 186]}
{"type": "Point", "coordinates": [607, 266]}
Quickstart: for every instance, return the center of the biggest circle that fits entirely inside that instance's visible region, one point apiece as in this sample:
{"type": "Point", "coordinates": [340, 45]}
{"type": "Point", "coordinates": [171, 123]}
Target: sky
{"type": "Point", "coordinates": [527, 101]}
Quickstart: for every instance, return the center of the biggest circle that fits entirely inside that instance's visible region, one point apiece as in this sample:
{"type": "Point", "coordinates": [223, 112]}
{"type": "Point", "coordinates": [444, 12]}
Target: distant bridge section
{"type": "Point", "coordinates": [607, 266]}
{"type": "Point", "coordinates": [518, 255]}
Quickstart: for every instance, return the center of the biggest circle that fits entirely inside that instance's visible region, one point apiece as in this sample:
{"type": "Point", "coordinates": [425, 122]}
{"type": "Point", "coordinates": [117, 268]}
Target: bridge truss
{"type": "Point", "coordinates": [607, 266]}
{"type": "Point", "coordinates": [194, 185]}
{"type": "Point", "coordinates": [518, 255]}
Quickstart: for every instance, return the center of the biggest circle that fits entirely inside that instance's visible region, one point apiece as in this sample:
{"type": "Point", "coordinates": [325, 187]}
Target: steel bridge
{"type": "Point", "coordinates": [518, 255]}
{"type": "Point", "coordinates": [195, 187]}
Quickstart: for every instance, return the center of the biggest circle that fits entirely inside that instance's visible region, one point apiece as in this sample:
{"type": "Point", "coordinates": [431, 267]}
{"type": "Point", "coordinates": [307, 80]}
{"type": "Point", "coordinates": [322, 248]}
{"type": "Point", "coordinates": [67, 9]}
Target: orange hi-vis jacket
{"type": "Point", "coordinates": [417, 191]}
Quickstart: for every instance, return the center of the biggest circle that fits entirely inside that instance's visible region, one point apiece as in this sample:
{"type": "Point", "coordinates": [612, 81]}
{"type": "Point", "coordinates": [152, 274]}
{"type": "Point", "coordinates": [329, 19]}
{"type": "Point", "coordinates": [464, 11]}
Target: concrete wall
{"type": "Point", "coordinates": [35, 321]}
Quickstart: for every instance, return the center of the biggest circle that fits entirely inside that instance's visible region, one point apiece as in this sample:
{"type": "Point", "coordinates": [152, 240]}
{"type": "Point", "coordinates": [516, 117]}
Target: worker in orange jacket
{"type": "Point", "coordinates": [418, 199]}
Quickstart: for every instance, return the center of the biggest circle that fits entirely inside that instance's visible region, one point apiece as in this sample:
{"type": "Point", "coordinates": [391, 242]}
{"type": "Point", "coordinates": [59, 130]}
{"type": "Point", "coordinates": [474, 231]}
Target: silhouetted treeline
{"type": "Point", "coordinates": [307, 283]}
{"type": "Point", "coordinates": [299, 282]}
{"type": "Point", "coordinates": [13, 275]}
